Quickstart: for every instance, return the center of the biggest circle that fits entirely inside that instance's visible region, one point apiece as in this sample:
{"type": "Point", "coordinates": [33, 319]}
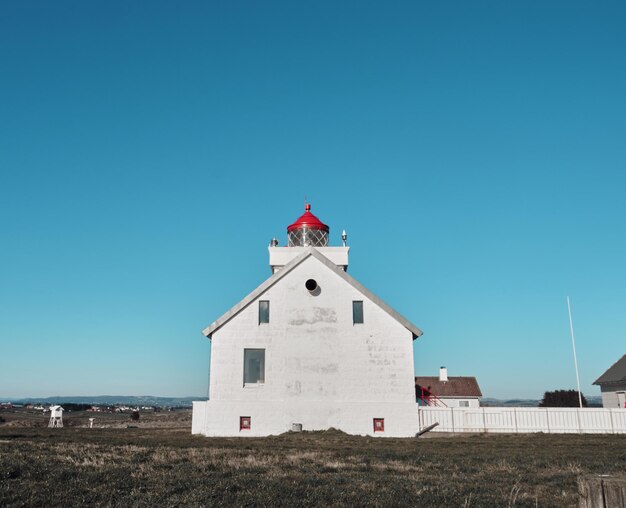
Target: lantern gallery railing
{"type": "Point", "coordinates": [306, 237]}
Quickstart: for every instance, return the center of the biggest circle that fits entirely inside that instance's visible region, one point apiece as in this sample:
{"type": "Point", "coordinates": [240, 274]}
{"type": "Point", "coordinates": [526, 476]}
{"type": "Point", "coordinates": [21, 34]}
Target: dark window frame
{"type": "Point", "coordinates": [264, 312]}
{"type": "Point", "coordinates": [358, 315]}
{"type": "Point", "coordinates": [248, 369]}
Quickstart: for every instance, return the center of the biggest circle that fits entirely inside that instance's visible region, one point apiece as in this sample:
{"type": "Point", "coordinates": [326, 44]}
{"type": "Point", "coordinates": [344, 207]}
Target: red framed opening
{"type": "Point", "coordinates": [379, 425]}
{"type": "Point", "coordinates": [245, 423]}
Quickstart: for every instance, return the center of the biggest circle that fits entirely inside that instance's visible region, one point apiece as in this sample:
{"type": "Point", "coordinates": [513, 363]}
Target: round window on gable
{"type": "Point", "coordinates": [312, 287]}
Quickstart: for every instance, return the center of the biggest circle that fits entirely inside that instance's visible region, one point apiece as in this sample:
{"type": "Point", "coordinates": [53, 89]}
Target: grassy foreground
{"type": "Point", "coordinates": [147, 467]}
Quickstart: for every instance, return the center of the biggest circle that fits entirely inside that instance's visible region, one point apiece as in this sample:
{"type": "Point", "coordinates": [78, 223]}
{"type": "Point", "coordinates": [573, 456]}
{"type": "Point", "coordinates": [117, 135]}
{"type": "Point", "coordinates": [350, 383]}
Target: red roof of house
{"type": "Point", "coordinates": [308, 220]}
{"type": "Point", "coordinates": [457, 386]}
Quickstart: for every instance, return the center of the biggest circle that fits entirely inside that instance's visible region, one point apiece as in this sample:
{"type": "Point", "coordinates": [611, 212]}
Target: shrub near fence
{"type": "Point", "coordinates": [525, 419]}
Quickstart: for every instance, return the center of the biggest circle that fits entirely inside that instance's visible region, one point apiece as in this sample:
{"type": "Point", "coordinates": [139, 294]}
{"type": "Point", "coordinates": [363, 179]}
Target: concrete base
{"type": "Point", "coordinates": [222, 418]}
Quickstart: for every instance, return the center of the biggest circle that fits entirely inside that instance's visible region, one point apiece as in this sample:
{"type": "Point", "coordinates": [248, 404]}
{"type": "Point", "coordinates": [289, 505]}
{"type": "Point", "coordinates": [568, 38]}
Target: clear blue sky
{"type": "Point", "coordinates": [474, 151]}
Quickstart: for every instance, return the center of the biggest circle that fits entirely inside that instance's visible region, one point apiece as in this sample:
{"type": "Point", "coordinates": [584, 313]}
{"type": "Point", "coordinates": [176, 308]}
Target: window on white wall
{"type": "Point", "coordinates": [253, 366]}
{"type": "Point", "coordinates": [357, 312]}
{"type": "Point", "coordinates": [264, 311]}
{"type": "Point", "coordinates": [464, 403]}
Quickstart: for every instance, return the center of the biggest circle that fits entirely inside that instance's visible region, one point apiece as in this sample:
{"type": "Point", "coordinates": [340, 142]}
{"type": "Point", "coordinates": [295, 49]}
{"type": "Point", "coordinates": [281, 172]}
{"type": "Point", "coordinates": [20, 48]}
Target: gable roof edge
{"type": "Point", "coordinates": [361, 288]}
{"type": "Point", "coordinates": [274, 278]}
{"type": "Point", "coordinates": [268, 283]}
{"type": "Point", "coordinates": [618, 369]}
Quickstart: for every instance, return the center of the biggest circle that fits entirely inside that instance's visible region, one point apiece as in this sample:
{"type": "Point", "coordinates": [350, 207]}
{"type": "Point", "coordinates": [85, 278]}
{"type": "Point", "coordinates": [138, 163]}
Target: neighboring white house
{"type": "Point", "coordinates": [613, 385]}
{"type": "Point", "coordinates": [444, 391]}
{"type": "Point", "coordinates": [310, 349]}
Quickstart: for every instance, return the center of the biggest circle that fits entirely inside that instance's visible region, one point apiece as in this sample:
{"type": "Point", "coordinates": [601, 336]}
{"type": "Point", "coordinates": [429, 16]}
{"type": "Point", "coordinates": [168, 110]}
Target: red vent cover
{"type": "Point", "coordinates": [308, 220]}
{"type": "Point", "coordinates": [245, 422]}
{"type": "Point", "coordinates": [379, 425]}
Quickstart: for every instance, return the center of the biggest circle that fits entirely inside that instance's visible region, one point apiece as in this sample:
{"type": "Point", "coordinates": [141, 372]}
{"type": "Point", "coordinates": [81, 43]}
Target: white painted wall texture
{"type": "Point", "coordinates": [321, 370]}
{"type": "Point", "coordinates": [610, 397]}
{"type": "Point", "coordinates": [472, 402]}
{"type": "Point", "coordinates": [280, 256]}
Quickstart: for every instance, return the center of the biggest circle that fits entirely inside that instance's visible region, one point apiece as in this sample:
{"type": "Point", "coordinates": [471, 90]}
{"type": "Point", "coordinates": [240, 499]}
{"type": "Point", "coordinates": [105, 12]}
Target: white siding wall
{"type": "Point", "coordinates": [320, 369]}
{"type": "Point", "coordinates": [454, 402]}
{"type": "Point", "coordinates": [609, 395]}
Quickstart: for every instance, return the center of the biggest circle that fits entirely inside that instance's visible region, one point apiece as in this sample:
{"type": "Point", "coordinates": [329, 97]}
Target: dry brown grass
{"type": "Point", "coordinates": [147, 467]}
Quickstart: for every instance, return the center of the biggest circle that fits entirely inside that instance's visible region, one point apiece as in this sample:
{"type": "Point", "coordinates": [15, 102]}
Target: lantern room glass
{"type": "Point", "coordinates": [305, 237]}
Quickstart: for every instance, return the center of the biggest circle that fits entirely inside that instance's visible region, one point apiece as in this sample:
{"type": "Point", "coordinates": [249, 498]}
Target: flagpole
{"type": "Point", "coordinates": [571, 329]}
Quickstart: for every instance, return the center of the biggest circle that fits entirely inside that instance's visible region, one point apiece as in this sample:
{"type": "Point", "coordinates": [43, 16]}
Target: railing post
{"type": "Point", "coordinates": [419, 419]}
{"type": "Point", "coordinates": [452, 417]}
{"type": "Point", "coordinates": [515, 418]}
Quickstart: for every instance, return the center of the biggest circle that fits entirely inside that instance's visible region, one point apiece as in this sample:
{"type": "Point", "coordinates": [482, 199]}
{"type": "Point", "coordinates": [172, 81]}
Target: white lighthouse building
{"type": "Point", "coordinates": [309, 349]}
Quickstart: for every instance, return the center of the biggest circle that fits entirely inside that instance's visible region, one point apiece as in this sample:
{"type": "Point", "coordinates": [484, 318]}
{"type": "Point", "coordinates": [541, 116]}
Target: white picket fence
{"type": "Point", "coordinates": [525, 419]}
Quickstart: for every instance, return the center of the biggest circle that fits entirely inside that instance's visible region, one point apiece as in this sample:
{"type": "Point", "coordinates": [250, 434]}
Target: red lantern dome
{"type": "Point", "coordinates": [308, 220]}
{"type": "Point", "coordinates": [308, 230]}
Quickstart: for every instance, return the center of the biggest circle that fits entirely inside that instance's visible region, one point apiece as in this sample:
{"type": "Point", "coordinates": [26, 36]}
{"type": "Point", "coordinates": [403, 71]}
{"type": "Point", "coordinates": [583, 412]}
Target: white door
{"type": "Point", "coordinates": [621, 399]}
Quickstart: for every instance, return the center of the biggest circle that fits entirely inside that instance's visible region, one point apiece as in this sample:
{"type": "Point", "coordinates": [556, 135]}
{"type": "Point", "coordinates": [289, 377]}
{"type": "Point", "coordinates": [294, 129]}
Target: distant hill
{"type": "Point", "coordinates": [110, 400]}
{"type": "Point", "coordinates": [592, 401]}
{"type": "Point", "coordinates": [488, 401]}
{"type": "Point", "coordinates": [151, 400]}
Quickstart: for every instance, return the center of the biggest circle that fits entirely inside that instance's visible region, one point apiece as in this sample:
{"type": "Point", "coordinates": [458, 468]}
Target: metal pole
{"type": "Point", "coordinates": [571, 329]}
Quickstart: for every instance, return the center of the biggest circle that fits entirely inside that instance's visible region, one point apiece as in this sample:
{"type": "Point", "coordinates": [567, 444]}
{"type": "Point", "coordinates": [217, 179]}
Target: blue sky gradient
{"type": "Point", "coordinates": [474, 151]}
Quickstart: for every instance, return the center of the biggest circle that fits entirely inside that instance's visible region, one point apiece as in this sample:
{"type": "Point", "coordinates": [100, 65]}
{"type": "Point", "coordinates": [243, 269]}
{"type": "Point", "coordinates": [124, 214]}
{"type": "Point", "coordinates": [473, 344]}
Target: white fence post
{"type": "Point", "coordinates": [520, 420]}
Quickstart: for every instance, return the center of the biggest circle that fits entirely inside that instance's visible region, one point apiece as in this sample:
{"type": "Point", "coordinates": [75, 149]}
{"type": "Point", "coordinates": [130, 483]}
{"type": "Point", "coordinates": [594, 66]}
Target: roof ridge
{"type": "Point", "coordinates": [250, 297]}
{"type": "Point", "coordinates": [619, 370]}
{"type": "Point", "coordinates": [276, 277]}
{"type": "Point", "coordinates": [360, 287]}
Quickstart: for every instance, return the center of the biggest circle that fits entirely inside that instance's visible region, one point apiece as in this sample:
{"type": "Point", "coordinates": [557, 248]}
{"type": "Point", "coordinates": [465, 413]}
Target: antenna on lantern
{"type": "Point", "coordinates": [344, 237]}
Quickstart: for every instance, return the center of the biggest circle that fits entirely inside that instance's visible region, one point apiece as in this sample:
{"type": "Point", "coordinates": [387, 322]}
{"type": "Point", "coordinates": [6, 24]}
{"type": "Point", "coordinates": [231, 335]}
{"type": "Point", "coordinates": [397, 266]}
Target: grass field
{"type": "Point", "coordinates": [149, 466]}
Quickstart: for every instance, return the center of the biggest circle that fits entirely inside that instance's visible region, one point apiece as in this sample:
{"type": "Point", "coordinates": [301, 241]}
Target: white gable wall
{"type": "Point", "coordinates": [610, 396]}
{"type": "Point", "coordinates": [472, 402]}
{"type": "Point", "coordinates": [321, 370]}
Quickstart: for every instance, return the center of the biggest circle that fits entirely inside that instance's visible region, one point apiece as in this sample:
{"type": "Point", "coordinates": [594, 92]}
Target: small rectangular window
{"type": "Point", "coordinates": [264, 311]}
{"type": "Point", "coordinates": [464, 403]}
{"type": "Point", "coordinates": [357, 312]}
{"type": "Point", "coordinates": [379, 425]}
{"type": "Point", "coordinates": [245, 422]}
{"type": "Point", "coordinates": [253, 366]}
